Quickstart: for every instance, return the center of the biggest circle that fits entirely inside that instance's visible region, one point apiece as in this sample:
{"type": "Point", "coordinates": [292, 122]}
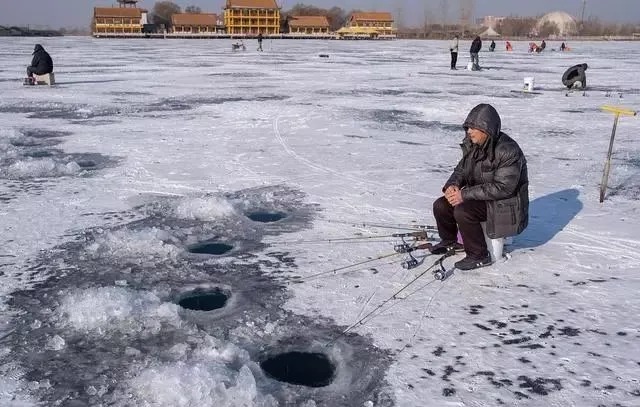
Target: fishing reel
{"type": "Point", "coordinates": [410, 263]}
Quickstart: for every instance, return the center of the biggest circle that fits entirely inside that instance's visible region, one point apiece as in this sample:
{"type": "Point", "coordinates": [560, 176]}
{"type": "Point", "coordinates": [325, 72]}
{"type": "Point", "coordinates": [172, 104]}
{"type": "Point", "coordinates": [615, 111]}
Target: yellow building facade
{"type": "Point", "coordinates": [252, 17]}
{"type": "Point", "coordinates": [369, 25]}
{"type": "Point", "coordinates": [308, 25]}
{"type": "Point", "coordinates": [117, 20]}
{"type": "Point", "coordinates": [194, 23]}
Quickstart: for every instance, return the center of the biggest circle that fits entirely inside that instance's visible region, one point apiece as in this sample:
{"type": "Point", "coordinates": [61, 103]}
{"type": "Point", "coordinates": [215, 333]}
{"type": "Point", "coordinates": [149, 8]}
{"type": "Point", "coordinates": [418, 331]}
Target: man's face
{"type": "Point", "coordinates": [477, 136]}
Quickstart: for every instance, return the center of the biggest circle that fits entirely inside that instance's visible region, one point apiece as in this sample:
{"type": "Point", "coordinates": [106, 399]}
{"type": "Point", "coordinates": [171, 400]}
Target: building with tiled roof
{"type": "Point", "coordinates": [309, 25]}
{"type": "Point", "coordinates": [118, 20]}
{"type": "Point", "coordinates": [194, 23]}
{"type": "Point", "coordinates": [369, 25]}
{"type": "Point", "coordinates": [252, 17]}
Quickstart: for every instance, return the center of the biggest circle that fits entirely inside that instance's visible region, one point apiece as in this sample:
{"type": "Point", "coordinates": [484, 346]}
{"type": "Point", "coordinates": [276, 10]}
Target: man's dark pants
{"type": "Point", "coordinates": [466, 218]}
{"type": "Point", "coordinates": [454, 59]}
{"type": "Point", "coordinates": [31, 70]}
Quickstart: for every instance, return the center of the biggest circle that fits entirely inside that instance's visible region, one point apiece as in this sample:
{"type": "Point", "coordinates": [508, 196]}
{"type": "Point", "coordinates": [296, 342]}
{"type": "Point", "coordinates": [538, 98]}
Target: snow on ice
{"type": "Point", "coordinates": [148, 149]}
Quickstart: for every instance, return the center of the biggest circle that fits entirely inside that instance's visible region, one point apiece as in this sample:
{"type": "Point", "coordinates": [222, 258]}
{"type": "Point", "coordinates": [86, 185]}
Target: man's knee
{"type": "Point", "coordinates": [441, 205]}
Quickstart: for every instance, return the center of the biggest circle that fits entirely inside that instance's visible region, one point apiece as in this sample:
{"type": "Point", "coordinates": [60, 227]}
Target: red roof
{"type": "Point", "coordinates": [309, 21]}
{"type": "Point", "coordinates": [372, 16]}
{"type": "Point", "coordinates": [271, 4]}
{"type": "Point", "coordinates": [117, 12]}
{"type": "Point", "coordinates": [194, 19]}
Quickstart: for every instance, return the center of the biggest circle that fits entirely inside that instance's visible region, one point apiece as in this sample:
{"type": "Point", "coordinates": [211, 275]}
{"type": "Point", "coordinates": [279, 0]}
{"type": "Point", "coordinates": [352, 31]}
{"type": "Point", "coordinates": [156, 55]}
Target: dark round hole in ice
{"type": "Point", "coordinates": [303, 368]}
{"type": "Point", "coordinates": [266, 217]}
{"type": "Point", "coordinates": [206, 301]}
{"type": "Point", "coordinates": [210, 248]}
{"type": "Point", "coordinates": [86, 163]}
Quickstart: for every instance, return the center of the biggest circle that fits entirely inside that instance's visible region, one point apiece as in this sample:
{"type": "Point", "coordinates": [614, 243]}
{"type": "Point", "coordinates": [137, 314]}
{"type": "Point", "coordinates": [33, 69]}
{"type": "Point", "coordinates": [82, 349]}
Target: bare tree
{"type": "Point", "coordinates": [193, 9]}
{"type": "Point", "coordinates": [516, 27]}
{"type": "Point", "coordinates": [548, 28]}
{"type": "Point", "coordinates": [162, 12]}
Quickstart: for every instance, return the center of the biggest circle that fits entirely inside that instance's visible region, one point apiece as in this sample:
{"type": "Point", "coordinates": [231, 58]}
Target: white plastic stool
{"type": "Point", "coordinates": [494, 246]}
{"type": "Point", "coordinates": [529, 83]}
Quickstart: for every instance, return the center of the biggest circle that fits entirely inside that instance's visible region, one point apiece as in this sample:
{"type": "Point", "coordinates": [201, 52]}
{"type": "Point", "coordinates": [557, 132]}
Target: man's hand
{"type": "Point", "coordinates": [453, 195]}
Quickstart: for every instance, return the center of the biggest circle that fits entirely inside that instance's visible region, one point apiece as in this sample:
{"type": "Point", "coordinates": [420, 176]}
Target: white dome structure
{"type": "Point", "coordinates": [565, 22]}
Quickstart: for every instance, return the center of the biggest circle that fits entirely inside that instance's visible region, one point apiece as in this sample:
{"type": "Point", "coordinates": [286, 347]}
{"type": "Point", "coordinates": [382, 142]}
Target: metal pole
{"type": "Point", "coordinates": [607, 164]}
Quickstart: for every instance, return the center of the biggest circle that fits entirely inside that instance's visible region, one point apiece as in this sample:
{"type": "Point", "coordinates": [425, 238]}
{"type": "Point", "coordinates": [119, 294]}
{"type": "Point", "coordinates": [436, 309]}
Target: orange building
{"type": "Point", "coordinates": [118, 20]}
{"type": "Point", "coordinates": [309, 25]}
{"type": "Point", "coordinates": [194, 23]}
{"type": "Point", "coordinates": [251, 17]}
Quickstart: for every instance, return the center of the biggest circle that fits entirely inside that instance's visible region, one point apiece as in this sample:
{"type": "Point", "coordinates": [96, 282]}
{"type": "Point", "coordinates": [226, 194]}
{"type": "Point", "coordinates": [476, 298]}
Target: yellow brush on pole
{"type": "Point", "coordinates": [618, 111]}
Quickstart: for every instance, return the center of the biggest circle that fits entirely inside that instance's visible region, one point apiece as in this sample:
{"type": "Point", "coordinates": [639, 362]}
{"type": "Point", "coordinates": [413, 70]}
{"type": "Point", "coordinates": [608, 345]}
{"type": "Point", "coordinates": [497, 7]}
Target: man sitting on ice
{"type": "Point", "coordinates": [490, 184]}
{"type": "Point", "coordinates": [41, 63]}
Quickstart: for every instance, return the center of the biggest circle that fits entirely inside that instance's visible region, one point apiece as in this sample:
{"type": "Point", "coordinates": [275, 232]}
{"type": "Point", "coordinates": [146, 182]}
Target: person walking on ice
{"type": "Point", "coordinates": [476, 46]}
{"type": "Point", "coordinates": [490, 184]}
{"type": "Point", "coordinates": [259, 41]}
{"type": "Point", "coordinates": [453, 48]}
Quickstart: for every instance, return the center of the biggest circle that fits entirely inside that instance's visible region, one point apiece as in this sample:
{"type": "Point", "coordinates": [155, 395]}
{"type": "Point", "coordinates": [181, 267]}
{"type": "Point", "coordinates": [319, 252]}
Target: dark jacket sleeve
{"type": "Point", "coordinates": [502, 182]}
{"type": "Point", "coordinates": [457, 177]}
{"type": "Point", "coordinates": [35, 60]}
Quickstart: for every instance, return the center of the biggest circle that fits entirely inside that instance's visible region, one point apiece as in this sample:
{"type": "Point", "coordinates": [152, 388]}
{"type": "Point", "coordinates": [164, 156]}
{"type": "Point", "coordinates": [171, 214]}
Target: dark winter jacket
{"type": "Point", "coordinates": [476, 45]}
{"type": "Point", "coordinates": [574, 74]}
{"type": "Point", "coordinates": [41, 62]}
{"type": "Point", "coordinates": [495, 172]}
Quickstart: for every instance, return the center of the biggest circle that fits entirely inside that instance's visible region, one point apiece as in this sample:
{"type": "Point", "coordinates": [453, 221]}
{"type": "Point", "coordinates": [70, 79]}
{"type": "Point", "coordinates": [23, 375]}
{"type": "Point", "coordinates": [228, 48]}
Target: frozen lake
{"type": "Point", "coordinates": [148, 153]}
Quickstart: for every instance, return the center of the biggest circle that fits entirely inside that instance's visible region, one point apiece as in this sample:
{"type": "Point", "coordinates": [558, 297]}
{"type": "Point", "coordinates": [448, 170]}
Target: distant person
{"type": "Point", "coordinates": [492, 47]}
{"type": "Point", "coordinates": [476, 46]}
{"type": "Point", "coordinates": [542, 46]}
{"type": "Point", "coordinates": [575, 77]}
{"type": "Point", "coordinates": [260, 42]}
{"type": "Point", "coordinates": [238, 45]}
{"type": "Point", "coordinates": [41, 63]}
{"type": "Point", "coordinates": [563, 47]}
{"type": "Point", "coordinates": [509, 46]}
{"type": "Point", "coordinates": [453, 47]}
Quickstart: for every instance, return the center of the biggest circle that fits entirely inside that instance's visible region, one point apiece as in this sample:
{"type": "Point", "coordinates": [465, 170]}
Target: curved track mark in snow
{"type": "Point", "coordinates": [322, 168]}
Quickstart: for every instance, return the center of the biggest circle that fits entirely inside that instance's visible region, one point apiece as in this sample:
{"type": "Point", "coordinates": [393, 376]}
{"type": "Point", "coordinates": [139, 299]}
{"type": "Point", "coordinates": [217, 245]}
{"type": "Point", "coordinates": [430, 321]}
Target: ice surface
{"type": "Point", "coordinates": [137, 246]}
{"type": "Point", "coordinates": [116, 310]}
{"type": "Point", "coordinates": [204, 208]}
{"type": "Point", "coordinates": [88, 273]}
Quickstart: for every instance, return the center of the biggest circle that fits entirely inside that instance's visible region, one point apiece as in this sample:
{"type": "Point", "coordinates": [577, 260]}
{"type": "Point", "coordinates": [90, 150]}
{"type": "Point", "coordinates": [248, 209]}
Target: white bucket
{"type": "Point", "coordinates": [529, 83]}
{"type": "Point", "coordinates": [494, 246]}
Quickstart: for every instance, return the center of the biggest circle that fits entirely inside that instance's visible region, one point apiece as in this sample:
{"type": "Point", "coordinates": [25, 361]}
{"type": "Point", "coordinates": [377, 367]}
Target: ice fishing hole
{"type": "Point", "coordinates": [205, 301]}
{"type": "Point", "coordinates": [210, 248]}
{"type": "Point", "coordinates": [86, 164]}
{"type": "Point", "coordinates": [302, 368]}
{"type": "Point", "coordinates": [266, 217]}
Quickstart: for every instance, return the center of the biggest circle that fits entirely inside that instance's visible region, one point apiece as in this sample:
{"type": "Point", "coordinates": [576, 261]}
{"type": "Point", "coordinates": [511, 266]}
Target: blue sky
{"type": "Point", "coordinates": [77, 13]}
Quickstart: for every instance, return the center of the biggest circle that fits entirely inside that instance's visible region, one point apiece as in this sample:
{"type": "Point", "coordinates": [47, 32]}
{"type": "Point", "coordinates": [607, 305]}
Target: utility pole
{"type": "Point", "coordinates": [466, 13]}
{"type": "Point", "coordinates": [584, 6]}
{"type": "Point", "coordinates": [444, 9]}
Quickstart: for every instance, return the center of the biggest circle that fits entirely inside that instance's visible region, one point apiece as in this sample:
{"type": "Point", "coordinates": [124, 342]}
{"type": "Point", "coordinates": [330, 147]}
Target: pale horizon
{"type": "Point", "coordinates": [412, 13]}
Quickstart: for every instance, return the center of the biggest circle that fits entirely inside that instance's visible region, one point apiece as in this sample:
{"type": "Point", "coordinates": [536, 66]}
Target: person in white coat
{"type": "Point", "coordinates": [453, 47]}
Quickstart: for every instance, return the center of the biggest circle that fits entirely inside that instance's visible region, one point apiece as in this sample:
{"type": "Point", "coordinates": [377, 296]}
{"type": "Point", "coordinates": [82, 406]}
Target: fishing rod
{"type": "Point", "coordinates": [404, 226]}
{"type": "Point", "coordinates": [362, 320]}
{"type": "Point", "coordinates": [417, 235]}
{"type": "Point", "coordinates": [384, 256]}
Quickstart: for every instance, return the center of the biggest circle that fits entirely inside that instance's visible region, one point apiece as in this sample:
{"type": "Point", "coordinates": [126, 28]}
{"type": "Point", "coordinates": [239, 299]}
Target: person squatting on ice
{"type": "Point", "coordinates": [453, 47]}
{"type": "Point", "coordinates": [476, 46]}
{"type": "Point", "coordinates": [41, 63]}
{"type": "Point", "coordinates": [490, 184]}
{"type": "Point", "coordinates": [575, 77]}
